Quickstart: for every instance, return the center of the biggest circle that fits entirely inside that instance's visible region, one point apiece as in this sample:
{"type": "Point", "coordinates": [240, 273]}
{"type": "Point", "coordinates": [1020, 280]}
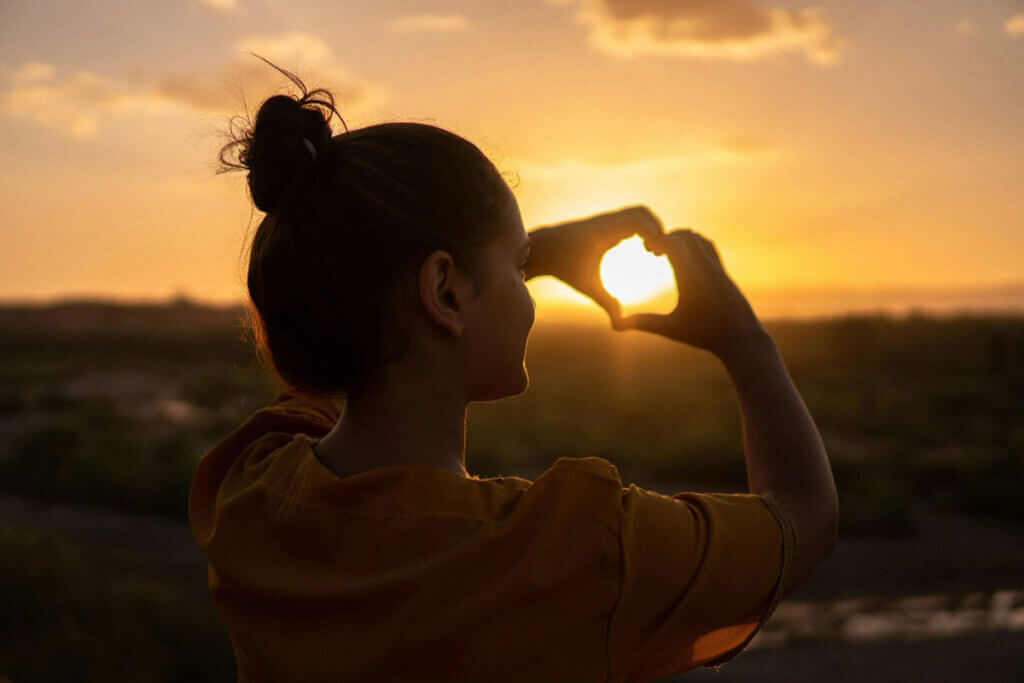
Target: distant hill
{"type": "Point", "coordinates": [178, 316]}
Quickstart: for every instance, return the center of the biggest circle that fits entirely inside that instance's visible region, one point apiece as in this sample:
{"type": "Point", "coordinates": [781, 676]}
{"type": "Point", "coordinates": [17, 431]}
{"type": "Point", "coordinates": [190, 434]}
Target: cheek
{"type": "Point", "coordinates": [511, 311]}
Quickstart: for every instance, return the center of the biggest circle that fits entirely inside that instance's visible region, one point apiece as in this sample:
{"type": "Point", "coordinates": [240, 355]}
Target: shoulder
{"type": "Point", "coordinates": [576, 491]}
{"type": "Point", "coordinates": [586, 467]}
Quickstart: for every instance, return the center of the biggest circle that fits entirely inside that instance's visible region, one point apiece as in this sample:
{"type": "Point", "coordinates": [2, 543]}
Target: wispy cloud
{"type": "Point", "coordinates": [965, 27]}
{"type": "Point", "coordinates": [77, 103]}
{"type": "Point", "coordinates": [429, 23]}
{"type": "Point", "coordinates": [33, 72]}
{"type": "Point", "coordinates": [729, 151]}
{"type": "Point", "coordinates": [729, 29]}
{"type": "Point", "coordinates": [73, 104]}
{"type": "Point", "coordinates": [1014, 26]}
{"type": "Point", "coordinates": [743, 144]}
{"type": "Point", "coordinates": [307, 55]}
{"type": "Point", "coordinates": [220, 5]}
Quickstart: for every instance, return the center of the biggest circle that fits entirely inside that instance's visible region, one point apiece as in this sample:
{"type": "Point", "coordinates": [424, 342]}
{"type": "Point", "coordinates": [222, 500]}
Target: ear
{"type": "Point", "coordinates": [440, 292]}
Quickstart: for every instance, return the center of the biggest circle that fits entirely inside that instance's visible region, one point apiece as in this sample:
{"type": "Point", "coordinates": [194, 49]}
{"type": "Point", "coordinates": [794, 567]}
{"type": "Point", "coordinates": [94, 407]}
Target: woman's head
{"type": "Point", "coordinates": [393, 243]}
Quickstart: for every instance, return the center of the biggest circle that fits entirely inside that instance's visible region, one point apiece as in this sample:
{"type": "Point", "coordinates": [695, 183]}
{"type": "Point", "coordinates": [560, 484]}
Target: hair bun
{"type": "Point", "coordinates": [273, 149]}
{"type": "Point", "coordinates": [277, 158]}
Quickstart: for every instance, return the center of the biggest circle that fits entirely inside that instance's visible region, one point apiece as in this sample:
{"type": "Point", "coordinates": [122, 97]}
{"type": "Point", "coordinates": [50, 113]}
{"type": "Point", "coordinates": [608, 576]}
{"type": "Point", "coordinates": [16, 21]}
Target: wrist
{"type": "Point", "coordinates": [749, 349]}
{"type": "Point", "coordinates": [541, 247]}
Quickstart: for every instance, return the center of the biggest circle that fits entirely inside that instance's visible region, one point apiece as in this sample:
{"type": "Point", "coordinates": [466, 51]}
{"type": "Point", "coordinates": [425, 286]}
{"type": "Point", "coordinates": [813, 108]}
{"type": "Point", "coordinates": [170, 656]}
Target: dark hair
{"type": "Point", "coordinates": [345, 229]}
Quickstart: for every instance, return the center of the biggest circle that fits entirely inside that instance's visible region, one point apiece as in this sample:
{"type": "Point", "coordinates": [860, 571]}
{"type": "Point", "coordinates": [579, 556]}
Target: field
{"type": "Point", "coordinates": [105, 409]}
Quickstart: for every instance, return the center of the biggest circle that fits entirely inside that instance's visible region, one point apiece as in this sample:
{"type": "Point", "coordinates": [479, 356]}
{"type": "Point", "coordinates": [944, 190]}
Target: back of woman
{"type": "Point", "coordinates": [346, 539]}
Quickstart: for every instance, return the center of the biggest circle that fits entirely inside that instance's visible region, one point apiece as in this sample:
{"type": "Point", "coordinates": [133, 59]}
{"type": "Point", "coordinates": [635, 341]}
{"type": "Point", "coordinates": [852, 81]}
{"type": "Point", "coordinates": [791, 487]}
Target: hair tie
{"type": "Point", "coordinates": [309, 145]}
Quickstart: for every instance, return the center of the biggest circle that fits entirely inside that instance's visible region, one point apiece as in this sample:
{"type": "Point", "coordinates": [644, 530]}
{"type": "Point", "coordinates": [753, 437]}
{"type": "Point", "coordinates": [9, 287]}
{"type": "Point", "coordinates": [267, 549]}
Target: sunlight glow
{"type": "Point", "coordinates": [634, 275]}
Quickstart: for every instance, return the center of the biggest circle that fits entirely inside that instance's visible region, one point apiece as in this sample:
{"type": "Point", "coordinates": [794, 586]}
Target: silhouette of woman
{"type": "Point", "coordinates": [346, 540]}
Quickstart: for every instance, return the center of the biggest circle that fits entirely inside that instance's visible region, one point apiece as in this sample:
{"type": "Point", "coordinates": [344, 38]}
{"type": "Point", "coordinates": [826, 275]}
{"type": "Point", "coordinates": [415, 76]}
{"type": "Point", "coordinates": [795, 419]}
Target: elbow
{"type": "Point", "coordinates": [817, 527]}
{"type": "Point", "coordinates": [822, 529]}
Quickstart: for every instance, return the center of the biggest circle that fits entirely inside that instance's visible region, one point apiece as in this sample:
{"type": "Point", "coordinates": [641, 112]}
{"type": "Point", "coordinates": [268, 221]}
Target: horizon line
{"type": "Point", "coordinates": [905, 300]}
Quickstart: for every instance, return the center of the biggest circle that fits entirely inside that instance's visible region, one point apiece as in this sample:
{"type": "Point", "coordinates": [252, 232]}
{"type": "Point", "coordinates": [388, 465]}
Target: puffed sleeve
{"type": "Point", "coordinates": [700, 574]}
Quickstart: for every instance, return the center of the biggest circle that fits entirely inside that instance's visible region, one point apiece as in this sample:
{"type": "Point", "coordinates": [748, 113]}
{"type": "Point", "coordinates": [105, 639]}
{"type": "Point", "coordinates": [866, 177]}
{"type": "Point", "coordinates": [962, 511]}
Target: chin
{"type": "Point", "coordinates": [512, 386]}
{"type": "Point", "coordinates": [524, 381]}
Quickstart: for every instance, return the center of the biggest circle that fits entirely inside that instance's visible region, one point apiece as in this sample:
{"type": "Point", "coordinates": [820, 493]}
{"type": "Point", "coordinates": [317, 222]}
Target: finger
{"type": "Point", "coordinates": [657, 243]}
{"type": "Point", "coordinates": [631, 220]}
{"type": "Point", "coordinates": [681, 247]}
{"type": "Point", "coordinates": [709, 248]}
{"type": "Point", "coordinates": [648, 225]}
{"type": "Point", "coordinates": [609, 303]}
{"type": "Point", "coordinates": [649, 322]}
{"type": "Point", "coordinates": [703, 250]}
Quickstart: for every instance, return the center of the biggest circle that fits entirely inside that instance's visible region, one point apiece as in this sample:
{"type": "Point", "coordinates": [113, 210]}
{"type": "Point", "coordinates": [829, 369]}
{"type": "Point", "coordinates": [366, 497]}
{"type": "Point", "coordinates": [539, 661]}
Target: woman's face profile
{"type": "Point", "coordinates": [503, 315]}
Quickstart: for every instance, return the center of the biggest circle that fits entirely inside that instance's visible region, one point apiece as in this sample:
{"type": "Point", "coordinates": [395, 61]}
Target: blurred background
{"type": "Point", "coordinates": [860, 167]}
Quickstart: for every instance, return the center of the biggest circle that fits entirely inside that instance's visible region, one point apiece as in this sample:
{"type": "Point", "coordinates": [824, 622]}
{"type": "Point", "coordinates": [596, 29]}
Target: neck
{"type": "Point", "coordinates": [405, 419]}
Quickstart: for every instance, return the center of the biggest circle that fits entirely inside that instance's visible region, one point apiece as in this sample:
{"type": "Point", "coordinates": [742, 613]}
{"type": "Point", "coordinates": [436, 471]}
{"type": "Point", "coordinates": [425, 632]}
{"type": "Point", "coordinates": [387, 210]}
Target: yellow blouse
{"type": "Point", "coordinates": [414, 572]}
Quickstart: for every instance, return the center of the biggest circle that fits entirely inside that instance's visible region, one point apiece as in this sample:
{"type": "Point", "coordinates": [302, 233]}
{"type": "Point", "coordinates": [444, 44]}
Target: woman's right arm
{"type": "Point", "coordinates": [785, 455]}
{"type": "Point", "coordinates": [784, 451]}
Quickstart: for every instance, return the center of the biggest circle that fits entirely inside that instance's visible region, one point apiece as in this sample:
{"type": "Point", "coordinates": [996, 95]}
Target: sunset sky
{"type": "Point", "coordinates": [841, 147]}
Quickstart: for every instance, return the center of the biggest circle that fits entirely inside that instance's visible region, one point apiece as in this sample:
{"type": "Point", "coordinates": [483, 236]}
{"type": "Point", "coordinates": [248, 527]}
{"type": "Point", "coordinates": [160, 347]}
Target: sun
{"type": "Point", "coordinates": [634, 275]}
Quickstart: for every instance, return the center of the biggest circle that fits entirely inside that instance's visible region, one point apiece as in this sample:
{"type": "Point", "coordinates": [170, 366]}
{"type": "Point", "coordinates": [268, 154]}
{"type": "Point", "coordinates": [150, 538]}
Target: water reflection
{"type": "Point", "coordinates": [905, 618]}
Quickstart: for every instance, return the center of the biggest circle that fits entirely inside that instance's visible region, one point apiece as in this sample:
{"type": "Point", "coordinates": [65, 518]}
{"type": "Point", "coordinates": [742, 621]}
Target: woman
{"type": "Point", "coordinates": [347, 541]}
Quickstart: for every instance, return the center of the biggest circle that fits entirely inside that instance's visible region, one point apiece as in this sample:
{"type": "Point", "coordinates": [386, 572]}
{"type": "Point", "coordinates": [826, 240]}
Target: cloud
{"type": "Point", "coordinates": [1014, 26]}
{"type": "Point", "coordinates": [743, 144]}
{"type": "Point", "coordinates": [308, 56]}
{"type": "Point", "coordinates": [220, 5]}
{"type": "Point", "coordinates": [723, 29]}
{"type": "Point", "coordinates": [76, 104]}
{"type": "Point", "coordinates": [31, 72]}
{"type": "Point", "coordinates": [729, 151]}
{"type": "Point", "coordinates": [429, 23]}
{"type": "Point", "coordinates": [965, 27]}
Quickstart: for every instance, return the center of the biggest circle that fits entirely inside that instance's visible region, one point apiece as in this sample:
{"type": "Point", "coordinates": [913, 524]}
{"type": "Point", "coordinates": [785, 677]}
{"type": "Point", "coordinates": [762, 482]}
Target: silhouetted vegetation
{"type": "Point", "coordinates": [113, 405]}
{"type": "Point", "coordinates": [118, 402]}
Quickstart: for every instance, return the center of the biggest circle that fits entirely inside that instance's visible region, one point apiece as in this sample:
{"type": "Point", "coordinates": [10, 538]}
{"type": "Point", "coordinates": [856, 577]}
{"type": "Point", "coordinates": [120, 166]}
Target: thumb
{"type": "Point", "coordinates": [650, 322]}
{"type": "Point", "coordinates": [609, 303]}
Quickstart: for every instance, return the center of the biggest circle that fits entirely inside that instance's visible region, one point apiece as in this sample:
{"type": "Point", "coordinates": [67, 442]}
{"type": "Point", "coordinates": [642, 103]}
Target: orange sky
{"type": "Point", "coordinates": [873, 147]}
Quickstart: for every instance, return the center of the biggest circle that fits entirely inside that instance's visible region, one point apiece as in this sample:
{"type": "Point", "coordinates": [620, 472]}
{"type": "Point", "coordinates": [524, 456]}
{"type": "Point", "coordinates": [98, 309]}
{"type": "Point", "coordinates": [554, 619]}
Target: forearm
{"type": "Point", "coordinates": [785, 454]}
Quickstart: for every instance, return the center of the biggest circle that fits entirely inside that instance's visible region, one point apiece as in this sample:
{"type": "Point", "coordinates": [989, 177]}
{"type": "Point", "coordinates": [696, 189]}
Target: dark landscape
{"type": "Point", "coordinates": [105, 409]}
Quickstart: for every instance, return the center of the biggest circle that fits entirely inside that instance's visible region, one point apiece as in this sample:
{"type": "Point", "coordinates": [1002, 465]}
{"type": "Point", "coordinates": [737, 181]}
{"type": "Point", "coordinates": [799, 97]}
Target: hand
{"type": "Point", "coordinates": [572, 251]}
{"type": "Point", "coordinates": [711, 313]}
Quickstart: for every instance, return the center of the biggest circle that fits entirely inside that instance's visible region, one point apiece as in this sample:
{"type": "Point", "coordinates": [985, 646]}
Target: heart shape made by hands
{"type": "Point", "coordinates": [639, 279]}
